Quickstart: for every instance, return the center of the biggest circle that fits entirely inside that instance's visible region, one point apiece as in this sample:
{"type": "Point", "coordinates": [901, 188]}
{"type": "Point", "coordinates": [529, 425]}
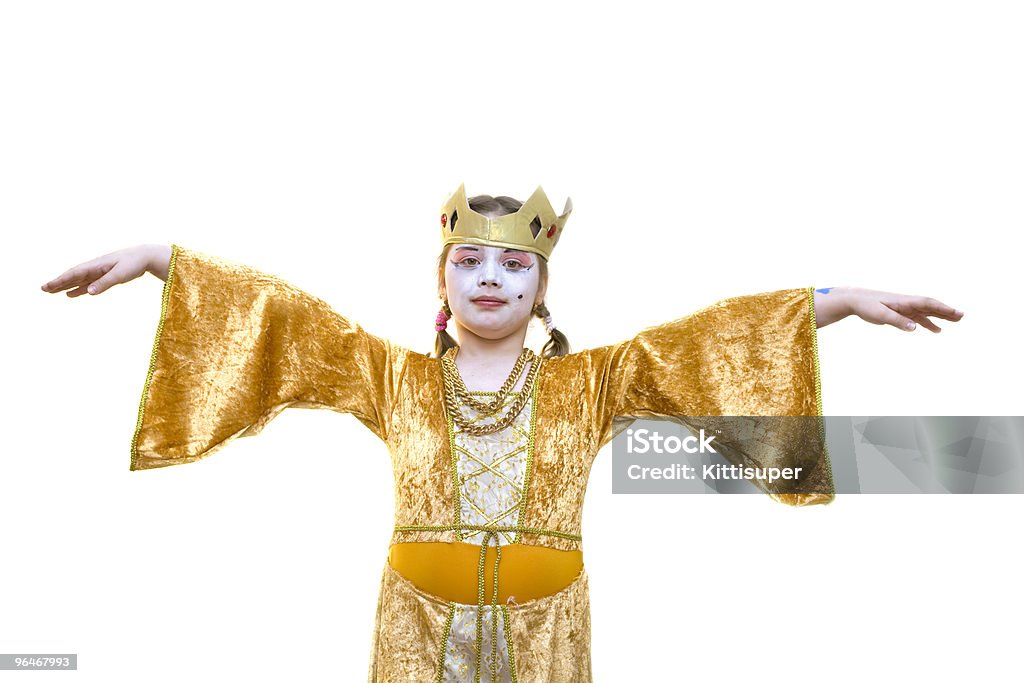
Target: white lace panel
{"type": "Point", "coordinates": [460, 652]}
{"type": "Point", "coordinates": [492, 470]}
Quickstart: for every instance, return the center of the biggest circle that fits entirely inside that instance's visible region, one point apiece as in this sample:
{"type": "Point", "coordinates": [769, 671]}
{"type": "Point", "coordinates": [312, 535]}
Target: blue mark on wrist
{"type": "Point", "coordinates": [824, 290]}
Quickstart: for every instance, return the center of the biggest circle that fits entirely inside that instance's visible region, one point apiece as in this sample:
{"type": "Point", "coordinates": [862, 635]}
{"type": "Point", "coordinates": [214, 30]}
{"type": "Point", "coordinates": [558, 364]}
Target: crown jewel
{"type": "Point", "coordinates": [459, 223]}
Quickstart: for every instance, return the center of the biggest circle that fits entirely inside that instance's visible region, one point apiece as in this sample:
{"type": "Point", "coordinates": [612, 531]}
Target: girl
{"type": "Point", "coordinates": [491, 443]}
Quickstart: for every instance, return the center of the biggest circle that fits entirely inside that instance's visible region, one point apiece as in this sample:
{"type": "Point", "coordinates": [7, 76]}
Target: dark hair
{"type": "Point", "coordinates": [558, 344]}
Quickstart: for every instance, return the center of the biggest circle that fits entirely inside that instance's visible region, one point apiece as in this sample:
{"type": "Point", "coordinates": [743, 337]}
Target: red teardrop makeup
{"type": "Point", "coordinates": [491, 290]}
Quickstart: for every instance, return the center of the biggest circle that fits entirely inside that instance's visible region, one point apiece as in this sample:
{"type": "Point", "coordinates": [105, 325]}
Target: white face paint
{"type": "Point", "coordinates": [508, 275]}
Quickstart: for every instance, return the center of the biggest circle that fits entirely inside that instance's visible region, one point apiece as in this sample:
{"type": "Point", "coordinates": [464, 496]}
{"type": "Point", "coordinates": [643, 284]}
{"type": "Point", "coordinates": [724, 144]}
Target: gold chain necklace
{"type": "Point", "coordinates": [486, 408]}
{"type": "Point", "coordinates": [456, 394]}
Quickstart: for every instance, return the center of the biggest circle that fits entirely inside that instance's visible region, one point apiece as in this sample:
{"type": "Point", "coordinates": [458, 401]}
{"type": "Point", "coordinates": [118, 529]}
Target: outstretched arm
{"type": "Point", "coordinates": [752, 357]}
{"type": "Point", "coordinates": [903, 311]}
{"type": "Point", "coordinates": [236, 346]}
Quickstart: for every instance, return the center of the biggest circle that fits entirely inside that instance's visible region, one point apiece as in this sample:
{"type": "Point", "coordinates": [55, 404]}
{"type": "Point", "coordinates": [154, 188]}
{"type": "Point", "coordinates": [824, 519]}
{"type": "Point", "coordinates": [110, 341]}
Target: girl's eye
{"type": "Point", "coordinates": [472, 261]}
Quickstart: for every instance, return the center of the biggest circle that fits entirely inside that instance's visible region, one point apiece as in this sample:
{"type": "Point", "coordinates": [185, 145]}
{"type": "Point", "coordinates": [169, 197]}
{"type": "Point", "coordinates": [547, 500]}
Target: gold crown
{"type": "Point", "coordinates": [459, 223]}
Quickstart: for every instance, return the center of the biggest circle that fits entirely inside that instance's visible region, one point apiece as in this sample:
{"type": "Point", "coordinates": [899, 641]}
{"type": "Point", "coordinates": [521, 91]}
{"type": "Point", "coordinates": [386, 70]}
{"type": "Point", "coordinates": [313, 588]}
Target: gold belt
{"type": "Point", "coordinates": [490, 531]}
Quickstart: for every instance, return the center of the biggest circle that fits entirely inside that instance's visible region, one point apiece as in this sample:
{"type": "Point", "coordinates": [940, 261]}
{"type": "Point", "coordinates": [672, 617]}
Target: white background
{"type": "Point", "coordinates": [710, 150]}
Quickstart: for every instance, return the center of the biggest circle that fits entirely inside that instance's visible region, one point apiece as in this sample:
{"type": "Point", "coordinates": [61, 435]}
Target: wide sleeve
{"type": "Point", "coordinates": [234, 347]}
{"type": "Point", "coordinates": [745, 369]}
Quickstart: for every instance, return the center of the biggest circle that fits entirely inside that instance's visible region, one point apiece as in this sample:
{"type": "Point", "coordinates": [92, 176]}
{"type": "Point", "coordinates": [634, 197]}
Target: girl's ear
{"type": "Point", "coordinates": [542, 289]}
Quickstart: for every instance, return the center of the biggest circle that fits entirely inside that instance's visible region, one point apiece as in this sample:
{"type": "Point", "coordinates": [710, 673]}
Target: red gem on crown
{"type": "Point", "coordinates": [444, 220]}
{"type": "Point", "coordinates": [551, 230]}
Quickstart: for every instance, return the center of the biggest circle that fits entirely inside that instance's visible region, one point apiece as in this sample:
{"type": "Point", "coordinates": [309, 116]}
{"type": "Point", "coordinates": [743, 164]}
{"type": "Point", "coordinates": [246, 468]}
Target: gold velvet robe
{"type": "Point", "coordinates": [235, 347]}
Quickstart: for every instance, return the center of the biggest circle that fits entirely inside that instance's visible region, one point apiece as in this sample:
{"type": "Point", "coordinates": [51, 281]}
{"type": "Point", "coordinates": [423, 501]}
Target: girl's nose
{"type": "Point", "coordinates": [489, 274]}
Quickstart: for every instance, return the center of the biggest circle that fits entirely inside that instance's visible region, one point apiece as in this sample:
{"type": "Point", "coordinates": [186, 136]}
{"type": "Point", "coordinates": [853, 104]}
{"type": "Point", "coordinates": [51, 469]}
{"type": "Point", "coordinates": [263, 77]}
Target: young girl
{"type": "Point", "coordinates": [491, 443]}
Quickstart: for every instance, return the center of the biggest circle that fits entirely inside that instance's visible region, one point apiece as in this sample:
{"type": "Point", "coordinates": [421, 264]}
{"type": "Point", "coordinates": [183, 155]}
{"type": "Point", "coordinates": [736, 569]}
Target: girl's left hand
{"type": "Point", "coordinates": [903, 311]}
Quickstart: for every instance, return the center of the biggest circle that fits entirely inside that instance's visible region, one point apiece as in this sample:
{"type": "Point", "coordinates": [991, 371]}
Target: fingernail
{"type": "Point", "coordinates": [911, 326]}
{"type": "Point", "coordinates": [92, 289]}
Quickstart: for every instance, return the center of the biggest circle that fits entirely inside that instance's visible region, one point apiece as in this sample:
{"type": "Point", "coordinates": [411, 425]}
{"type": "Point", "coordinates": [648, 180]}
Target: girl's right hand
{"type": "Point", "coordinates": [103, 272]}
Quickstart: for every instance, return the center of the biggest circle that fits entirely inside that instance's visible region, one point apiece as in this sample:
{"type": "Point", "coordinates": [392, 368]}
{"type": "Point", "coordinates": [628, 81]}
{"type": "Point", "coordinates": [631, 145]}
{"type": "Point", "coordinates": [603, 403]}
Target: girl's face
{"type": "Point", "coordinates": [492, 290]}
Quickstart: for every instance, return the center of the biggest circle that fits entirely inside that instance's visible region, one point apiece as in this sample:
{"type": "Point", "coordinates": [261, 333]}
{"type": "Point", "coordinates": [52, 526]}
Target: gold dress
{"type": "Point", "coordinates": [235, 347]}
